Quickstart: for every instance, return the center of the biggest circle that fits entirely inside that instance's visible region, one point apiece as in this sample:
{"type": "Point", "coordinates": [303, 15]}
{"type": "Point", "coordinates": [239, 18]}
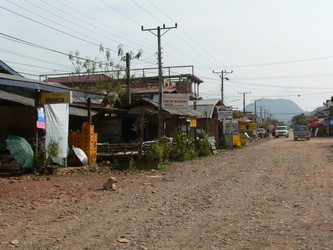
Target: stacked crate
{"type": "Point", "coordinates": [74, 139]}
{"type": "Point", "coordinates": [86, 140]}
{"type": "Point", "coordinates": [89, 142]}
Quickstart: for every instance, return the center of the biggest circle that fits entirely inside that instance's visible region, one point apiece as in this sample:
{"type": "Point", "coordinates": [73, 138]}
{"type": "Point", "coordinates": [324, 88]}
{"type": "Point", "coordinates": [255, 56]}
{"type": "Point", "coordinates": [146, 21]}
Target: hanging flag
{"type": "Point", "coordinates": [41, 118]}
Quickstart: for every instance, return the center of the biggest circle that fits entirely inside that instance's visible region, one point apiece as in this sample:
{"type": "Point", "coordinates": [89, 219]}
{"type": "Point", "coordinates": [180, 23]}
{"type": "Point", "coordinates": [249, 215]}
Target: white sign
{"type": "Point", "coordinates": [230, 127]}
{"type": "Point", "coordinates": [224, 112]}
{"type": "Point", "coordinates": [175, 101]}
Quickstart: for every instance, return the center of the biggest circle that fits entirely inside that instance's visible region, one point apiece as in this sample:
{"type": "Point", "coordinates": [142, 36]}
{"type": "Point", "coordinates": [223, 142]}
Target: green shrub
{"type": "Point", "coordinates": [159, 151]}
{"type": "Point", "coordinates": [184, 149]}
{"type": "Point", "coordinates": [203, 145]}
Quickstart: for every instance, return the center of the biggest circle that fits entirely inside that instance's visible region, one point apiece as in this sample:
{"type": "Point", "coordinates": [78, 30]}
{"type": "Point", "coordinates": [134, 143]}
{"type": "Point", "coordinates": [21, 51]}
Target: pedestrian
{"type": "Point", "coordinates": [273, 132]}
{"type": "Point", "coordinates": [267, 133]}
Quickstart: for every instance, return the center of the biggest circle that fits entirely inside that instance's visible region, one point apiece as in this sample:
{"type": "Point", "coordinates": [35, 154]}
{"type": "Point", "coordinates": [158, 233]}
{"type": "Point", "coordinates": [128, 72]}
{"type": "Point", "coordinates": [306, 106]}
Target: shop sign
{"type": "Point", "coordinates": [176, 101]}
{"type": "Point", "coordinates": [54, 98]}
{"type": "Point", "coordinates": [224, 112]}
{"type": "Point", "coordinates": [193, 122]}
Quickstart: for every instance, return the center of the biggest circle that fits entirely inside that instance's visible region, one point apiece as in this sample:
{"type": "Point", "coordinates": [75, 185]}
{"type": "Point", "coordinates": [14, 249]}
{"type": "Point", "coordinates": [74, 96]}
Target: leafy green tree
{"type": "Point", "coordinates": [299, 119]}
{"type": "Point", "coordinates": [114, 68]}
{"type": "Point", "coordinates": [278, 123]}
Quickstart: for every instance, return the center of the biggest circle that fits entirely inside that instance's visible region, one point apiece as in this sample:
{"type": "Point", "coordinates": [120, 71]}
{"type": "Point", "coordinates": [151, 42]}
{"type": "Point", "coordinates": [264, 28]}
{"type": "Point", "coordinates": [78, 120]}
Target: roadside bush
{"type": "Point", "coordinates": [203, 145]}
{"type": "Point", "coordinates": [159, 151]}
{"type": "Point", "coordinates": [184, 149]}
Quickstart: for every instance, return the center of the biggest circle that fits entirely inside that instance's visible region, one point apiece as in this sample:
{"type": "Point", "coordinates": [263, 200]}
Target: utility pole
{"type": "Point", "coordinates": [222, 75]}
{"type": "Point", "coordinates": [261, 111]}
{"type": "Point", "coordinates": [244, 93]}
{"type": "Point", "coordinates": [160, 74]}
{"type": "Point", "coordinates": [255, 110]}
{"type": "Point", "coordinates": [128, 77]}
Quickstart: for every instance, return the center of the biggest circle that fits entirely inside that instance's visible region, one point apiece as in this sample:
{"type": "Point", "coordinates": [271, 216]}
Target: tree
{"type": "Point", "coordinates": [115, 71]}
{"type": "Point", "coordinates": [276, 122]}
{"type": "Point", "coordinates": [299, 119]}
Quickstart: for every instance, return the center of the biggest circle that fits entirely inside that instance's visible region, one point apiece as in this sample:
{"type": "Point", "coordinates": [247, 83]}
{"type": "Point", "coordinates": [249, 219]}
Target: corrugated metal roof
{"type": "Point", "coordinates": [183, 112]}
{"type": "Point", "coordinates": [78, 78]}
{"type": "Point", "coordinates": [205, 111]}
{"type": "Point", "coordinates": [23, 82]}
{"type": "Point", "coordinates": [153, 89]}
{"type": "Point", "coordinates": [206, 107]}
{"type": "Point", "coordinates": [179, 112]}
{"type": "Point", "coordinates": [4, 68]}
{"type": "Point", "coordinates": [215, 102]}
{"type": "Point", "coordinates": [13, 98]}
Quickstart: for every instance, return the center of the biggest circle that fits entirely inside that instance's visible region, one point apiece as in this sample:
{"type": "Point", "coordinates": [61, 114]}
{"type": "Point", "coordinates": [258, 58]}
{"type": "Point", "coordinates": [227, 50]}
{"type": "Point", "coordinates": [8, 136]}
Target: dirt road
{"type": "Point", "coordinates": [273, 194]}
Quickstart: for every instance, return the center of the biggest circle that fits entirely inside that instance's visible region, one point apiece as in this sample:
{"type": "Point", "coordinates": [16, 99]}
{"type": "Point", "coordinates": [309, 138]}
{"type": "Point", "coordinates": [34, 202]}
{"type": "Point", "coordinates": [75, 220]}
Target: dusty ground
{"type": "Point", "coordinates": [273, 194]}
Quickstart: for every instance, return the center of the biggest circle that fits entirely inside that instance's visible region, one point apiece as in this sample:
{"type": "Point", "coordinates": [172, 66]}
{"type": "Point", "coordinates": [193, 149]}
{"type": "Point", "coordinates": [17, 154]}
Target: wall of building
{"type": "Point", "coordinates": [18, 120]}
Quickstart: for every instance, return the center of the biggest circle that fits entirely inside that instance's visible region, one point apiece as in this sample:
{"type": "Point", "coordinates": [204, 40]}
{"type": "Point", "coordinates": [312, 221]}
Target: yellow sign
{"type": "Point", "coordinates": [53, 98]}
{"type": "Point", "coordinates": [310, 119]}
{"type": "Point", "coordinates": [193, 122]}
{"type": "Point", "coordinates": [238, 115]}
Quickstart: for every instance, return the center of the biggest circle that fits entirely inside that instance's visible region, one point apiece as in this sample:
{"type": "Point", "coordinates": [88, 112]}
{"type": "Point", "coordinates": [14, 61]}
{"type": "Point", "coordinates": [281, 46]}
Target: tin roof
{"type": "Point", "coordinates": [206, 107]}
{"type": "Point", "coordinates": [175, 112]}
{"type": "Point", "coordinates": [5, 69]}
{"type": "Point", "coordinates": [26, 101]}
{"type": "Point", "coordinates": [153, 89]}
{"type": "Point", "coordinates": [78, 78]}
{"type": "Point", "coordinates": [18, 81]}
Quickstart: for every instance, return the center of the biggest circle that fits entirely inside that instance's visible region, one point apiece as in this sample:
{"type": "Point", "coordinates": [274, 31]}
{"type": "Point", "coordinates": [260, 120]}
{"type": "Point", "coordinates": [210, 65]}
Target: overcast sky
{"type": "Point", "coordinates": [276, 49]}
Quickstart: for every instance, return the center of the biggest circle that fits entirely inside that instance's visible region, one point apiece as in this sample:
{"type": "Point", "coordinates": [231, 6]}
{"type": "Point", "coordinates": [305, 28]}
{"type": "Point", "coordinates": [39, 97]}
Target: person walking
{"type": "Point", "coordinates": [267, 133]}
{"type": "Point", "coordinates": [273, 132]}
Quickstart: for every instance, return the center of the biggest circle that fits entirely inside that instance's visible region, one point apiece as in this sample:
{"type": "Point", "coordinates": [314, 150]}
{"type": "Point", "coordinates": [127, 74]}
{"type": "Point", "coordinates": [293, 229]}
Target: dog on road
{"type": "Point", "coordinates": [110, 184]}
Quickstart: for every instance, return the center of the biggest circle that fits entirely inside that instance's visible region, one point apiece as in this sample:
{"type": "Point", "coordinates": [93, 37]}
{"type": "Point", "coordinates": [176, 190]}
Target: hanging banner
{"type": "Point", "coordinates": [40, 118]}
{"type": "Point", "coordinates": [57, 121]}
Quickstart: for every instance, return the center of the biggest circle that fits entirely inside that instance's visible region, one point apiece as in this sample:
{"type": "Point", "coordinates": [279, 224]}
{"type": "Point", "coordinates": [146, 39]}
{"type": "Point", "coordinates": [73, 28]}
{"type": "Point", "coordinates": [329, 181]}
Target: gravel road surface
{"type": "Point", "coordinates": [272, 194]}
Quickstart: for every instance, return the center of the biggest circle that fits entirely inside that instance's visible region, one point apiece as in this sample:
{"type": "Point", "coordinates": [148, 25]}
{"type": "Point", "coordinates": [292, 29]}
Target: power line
{"type": "Point", "coordinates": [133, 39]}
{"type": "Point", "coordinates": [50, 27]}
{"type": "Point", "coordinates": [120, 12]}
{"type": "Point", "coordinates": [14, 39]}
{"type": "Point", "coordinates": [283, 62]}
{"type": "Point", "coordinates": [188, 36]}
{"type": "Point", "coordinates": [32, 58]}
{"type": "Point", "coordinates": [33, 66]}
{"type": "Point", "coordinates": [59, 17]}
{"type": "Point", "coordinates": [146, 11]}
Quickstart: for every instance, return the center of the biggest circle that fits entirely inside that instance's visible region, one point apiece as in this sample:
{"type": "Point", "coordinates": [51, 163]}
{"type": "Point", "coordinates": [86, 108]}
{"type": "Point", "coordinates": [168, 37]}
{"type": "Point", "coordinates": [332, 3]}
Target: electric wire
{"type": "Point", "coordinates": [188, 36]}
{"type": "Point", "coordinates": [146, 11]}
{"type": "Point", "coordinates": [62, 18]}
{"type": "Point", "coordinates": [121, 12]}
{"type": "Point", "coordinates": [133, 39]}
{"type": "Point", "coordinates": [32, 58]}
{"type": "Point", "coordinates": [48, 26]}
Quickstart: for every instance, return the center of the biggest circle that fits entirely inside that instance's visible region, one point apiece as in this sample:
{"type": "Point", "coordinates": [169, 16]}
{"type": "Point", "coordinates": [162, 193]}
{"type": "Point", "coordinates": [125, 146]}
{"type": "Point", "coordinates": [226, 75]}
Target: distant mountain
{"type": "Point", "coordinates": [280, 109]}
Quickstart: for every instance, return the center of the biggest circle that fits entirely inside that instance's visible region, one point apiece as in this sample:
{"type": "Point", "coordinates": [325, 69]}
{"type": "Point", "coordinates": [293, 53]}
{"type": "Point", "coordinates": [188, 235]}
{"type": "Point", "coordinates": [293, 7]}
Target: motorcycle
{"type": "Point", "coordinates": [8, 162]}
